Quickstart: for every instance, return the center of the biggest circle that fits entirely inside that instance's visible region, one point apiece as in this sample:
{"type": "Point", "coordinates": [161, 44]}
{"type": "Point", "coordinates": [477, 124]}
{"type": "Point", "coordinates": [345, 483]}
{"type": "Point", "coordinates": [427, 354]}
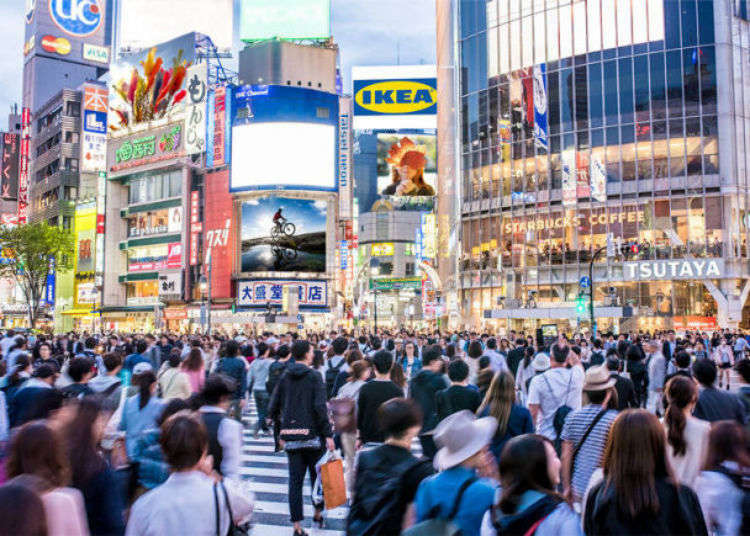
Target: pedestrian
{"type": "Point", "coordinates": [516, 355]}
{"type": "Point", "coordinates": [512, 419]}
{"type": "Point", "coordinates": [681, 367]}
{"type": "Point", "coordinates": [497, 360]}
{"type": "Point", "coordinates": [657, 370]}
{"type": "Point", "coordinates": [458, 396]}
{"type": "Point", "coordinates": [687, 437]}
{"type": "Point", "coordinates": [233, 366]}
{"type": "Point", "coordinates": [224, 432]}
{"type": "Point", "coordinates": [335, 365]}
{"type": "Point", "coordinates": [80, 371]}
{"type": "Point", "coordinates": [473, 353]}
{"type": "Point", "coordinates": [636, 369]}
{"type": "Point", "coordinates": [723, 356]}
{"type": "Point", "coordinates": [721, 486]}
{"type": "Point", "coordinates": [529, 502]}
{"type": "Point", "coordinates": [457, 493]}
{"type": "Point", "coordinates": [344, 411]}
{"type": "Point", "coordinates": [173, 382]}
{"type": "Point", "coordinates": [257, 377]}
{"type": "Point", "coordinates": [586, 431]}
{"type": "Point", "coordinates": [108, 385]}
{"type": "Point", "coordinates": [138, 357]}
{"type": "Point", "coordinates": [22, 511]}
{"type": "Point", "coordinates": [713, 404]}
{"type": "Point", "coordinates": [636, 492]}
{"type": "Point", "coordinates": [195, 368]}
{"type": "Point", "coordinates": [423, 388]}
{"type": "Point", "coordinates": [22, 370]}
{"type": "Point", "coordinates": [206, 505]}
{"type": "Point", "coordinates": [36, 398]}
{"type": "Point", "coordinates": [555, 393]}
{"type": "Point", "coordinates": [91, 474]}
{"type": "Point", "coordinates": [626, 397]}
{"type": "Point", "coordinates": [38, 451]}
{"type": "Point", "coordinates": [372, 395]}
{"type": "Point", "coordinates": [410, 361]}
{"type": "Point", "coordinates": [388, 475]}
{"type": "Point", "coordinates": [299, 404]}
{"type": "Point", "coordinates": [139, 412]}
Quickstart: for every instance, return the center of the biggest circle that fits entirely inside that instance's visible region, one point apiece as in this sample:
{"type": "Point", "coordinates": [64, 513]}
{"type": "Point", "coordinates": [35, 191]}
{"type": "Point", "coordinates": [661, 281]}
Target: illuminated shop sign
{"type": "Point", "coordinates": [383, 249]}
{"type": "Point", "coordinates": [668, 270]}
{"type": "Point", "coordinates": [560, 222]}
{"type": "Point", "coordinates": [312, 293]}
{"type": "Point", "coordinates": [146, 148]}
{"type": "Point", "coordinates": [400, 97]}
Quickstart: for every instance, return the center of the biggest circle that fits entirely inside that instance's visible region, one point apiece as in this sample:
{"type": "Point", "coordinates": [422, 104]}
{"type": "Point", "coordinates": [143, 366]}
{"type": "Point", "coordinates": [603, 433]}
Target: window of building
{"type": "Point", "coordinates": [71, 137]}
{"type": "Point", "coordinates": [73, 109]}
{"type": "Point", "coordinates": [154, 187]}
{"type": "Point", "coordinates": [410, 270]}
{"type": "Point", "coordinates": [71, 164]}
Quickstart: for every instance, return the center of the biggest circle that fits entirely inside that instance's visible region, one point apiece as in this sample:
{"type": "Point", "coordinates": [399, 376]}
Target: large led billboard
{"type": "Point", "coordinates": [283, 234]}
{"type": "Point", "coordinates": [287, 19]}
{"type": "Point", "coordinates": [144, 23]}
{"type": "Point", "coordinates": [407, 165]}
{"type": "Point", "coordinates": [268, 155]}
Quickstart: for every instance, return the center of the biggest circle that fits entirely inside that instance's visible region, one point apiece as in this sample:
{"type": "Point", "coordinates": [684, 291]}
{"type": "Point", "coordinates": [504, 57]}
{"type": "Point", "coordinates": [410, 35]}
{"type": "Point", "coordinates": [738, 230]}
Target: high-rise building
{"type": "Point", "coordinates": [600, 143]}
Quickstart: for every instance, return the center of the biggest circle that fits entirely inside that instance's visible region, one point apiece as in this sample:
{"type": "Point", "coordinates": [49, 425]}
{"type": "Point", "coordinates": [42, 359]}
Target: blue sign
{"type": "Point", "coordinates": [585, 282]}
{"type": "Point", "coordinates": [95, 122]}
{"type": "Point", "coordinates": [49, 290]}
{"type": "Point", "coordinates": [540, 106]}
{"type": "Point", "coordinates": [78, 18]}
{"type": "Point", "coordinates": [395, 97]}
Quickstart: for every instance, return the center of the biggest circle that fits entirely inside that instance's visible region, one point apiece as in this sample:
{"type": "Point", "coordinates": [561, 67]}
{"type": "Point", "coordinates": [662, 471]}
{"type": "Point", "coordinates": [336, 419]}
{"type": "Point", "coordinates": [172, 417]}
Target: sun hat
{"type": "Point", "coordinates": [142, 367]}
{"type": "Point", "coordinates": [598, 379]}
{"type": "Point", "coordinates": [460, 436]}
{"type": "Point", "coordinates": [540, 363]}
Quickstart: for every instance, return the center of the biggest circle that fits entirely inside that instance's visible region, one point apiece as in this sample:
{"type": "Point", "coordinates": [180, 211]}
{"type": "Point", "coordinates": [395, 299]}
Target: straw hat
{"type": "Point", "coordinates": [598, 379]}
{"type": "Point", "coordinates": [460, 436]}
{"type": "Point", "coordinates": [540, 363]}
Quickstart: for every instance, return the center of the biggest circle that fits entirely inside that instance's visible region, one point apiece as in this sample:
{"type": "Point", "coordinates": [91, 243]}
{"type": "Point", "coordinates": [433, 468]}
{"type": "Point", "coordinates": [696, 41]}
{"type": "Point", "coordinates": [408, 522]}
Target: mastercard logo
{"type": "Point", "coordinates": [58, 45]}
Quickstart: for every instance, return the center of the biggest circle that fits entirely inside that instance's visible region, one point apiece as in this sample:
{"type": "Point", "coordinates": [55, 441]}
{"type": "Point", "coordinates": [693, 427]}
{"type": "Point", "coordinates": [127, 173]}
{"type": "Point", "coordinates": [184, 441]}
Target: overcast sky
{"type": "Point", "coordinates": [368, 32]}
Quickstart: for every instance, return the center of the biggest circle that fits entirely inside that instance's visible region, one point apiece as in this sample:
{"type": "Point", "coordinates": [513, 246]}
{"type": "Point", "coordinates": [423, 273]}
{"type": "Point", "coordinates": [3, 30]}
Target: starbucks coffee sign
{"type": "Point", "coordinates": [676, 269]}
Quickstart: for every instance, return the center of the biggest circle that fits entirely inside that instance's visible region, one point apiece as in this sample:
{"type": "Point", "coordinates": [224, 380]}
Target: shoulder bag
{"type": "Point", "coordinates": [234, 529]}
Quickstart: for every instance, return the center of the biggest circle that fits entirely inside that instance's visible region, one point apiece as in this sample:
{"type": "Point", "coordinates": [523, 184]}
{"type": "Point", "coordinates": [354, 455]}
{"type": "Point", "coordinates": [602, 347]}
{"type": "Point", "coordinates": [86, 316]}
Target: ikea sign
{"type": "Point", "coordinates": [395, 97]}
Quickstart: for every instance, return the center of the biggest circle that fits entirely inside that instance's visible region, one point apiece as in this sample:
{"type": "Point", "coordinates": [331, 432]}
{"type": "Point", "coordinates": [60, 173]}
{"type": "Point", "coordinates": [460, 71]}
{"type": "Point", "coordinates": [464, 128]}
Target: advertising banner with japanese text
{"type": "Point", "coordinates": [311, 293]}
{"type": "Point", "coordinates": [218, 234]}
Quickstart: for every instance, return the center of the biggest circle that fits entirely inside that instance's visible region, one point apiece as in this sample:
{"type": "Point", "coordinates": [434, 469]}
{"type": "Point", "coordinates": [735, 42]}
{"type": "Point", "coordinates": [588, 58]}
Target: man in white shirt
{"type": "Point", "coordinates": [497, 360]}
{"type": "Point", "coordinates": [559, 386]}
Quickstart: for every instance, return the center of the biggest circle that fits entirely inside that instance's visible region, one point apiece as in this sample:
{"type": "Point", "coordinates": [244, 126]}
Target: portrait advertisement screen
{"type": "Point", "coordinates": [283, 234]}
{"type": "Point", "coordinates": [407, 168]}
{"type": "Point", "coordinates": [285, 19]}
{"type": "Point", "coordinates": [286, 154]}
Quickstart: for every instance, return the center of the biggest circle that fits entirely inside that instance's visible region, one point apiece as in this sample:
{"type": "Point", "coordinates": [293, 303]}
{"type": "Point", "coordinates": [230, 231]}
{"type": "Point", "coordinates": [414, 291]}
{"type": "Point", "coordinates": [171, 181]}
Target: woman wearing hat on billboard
{"type": "Point", "coordinates": [408, 162]}
{"type": "Point", "coordinates": [457, 493]}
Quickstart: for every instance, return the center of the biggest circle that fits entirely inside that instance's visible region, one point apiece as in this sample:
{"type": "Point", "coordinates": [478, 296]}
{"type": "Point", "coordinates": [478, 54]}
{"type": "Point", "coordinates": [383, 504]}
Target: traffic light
{"type": "Point", "coordinates": [581, 304]}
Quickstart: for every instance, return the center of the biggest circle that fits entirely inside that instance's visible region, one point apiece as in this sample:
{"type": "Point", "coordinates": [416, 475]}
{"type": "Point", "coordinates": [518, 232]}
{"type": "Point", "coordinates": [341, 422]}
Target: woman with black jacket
{"type": "Point", "coordinates": [639, 494]}
{"type": "Point", "coordinates": [299, 406]}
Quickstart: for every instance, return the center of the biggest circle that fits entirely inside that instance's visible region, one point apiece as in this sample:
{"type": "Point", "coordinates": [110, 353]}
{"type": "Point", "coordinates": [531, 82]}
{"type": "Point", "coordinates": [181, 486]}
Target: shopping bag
{"type": "Point", "coordinates": [317, 490]}
{"type": "Point", "coordinates": [334, 486]}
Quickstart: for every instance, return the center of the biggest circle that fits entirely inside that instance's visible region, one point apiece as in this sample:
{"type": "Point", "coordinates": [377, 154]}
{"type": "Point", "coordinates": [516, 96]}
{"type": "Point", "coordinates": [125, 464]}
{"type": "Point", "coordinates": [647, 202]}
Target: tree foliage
{"type": "Point", "coordinates": [28, 251]}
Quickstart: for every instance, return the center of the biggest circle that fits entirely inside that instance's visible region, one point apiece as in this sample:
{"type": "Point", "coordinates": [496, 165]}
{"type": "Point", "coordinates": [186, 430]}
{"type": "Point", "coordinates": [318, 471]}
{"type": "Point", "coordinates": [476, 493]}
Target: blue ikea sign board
{"type": "Point", "coordinates": [395, 97]}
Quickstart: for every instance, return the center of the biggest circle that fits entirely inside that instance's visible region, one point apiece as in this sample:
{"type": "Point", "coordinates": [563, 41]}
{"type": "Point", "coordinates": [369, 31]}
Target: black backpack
{"type": "Point", "coordinates": [597, 358]}
{"type": "Point", "coordinates": [275, 372]}
{"type": "Point", "coordinates": [376, 507]}
{"type": "Point", "coordinates": [561, 413]}
{"type": "Point", "coordinates": [331, 374]}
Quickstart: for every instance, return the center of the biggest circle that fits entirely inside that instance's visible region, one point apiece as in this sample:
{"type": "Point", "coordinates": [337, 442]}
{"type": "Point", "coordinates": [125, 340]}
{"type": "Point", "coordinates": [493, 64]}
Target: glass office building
{"type": "Point", "coordinates": [592, 122]}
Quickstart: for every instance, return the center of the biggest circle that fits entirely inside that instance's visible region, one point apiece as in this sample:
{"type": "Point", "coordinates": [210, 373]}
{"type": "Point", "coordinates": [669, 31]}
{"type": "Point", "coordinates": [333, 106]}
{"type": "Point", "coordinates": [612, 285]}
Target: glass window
{"type": "Point", "coordinates": [689, 23]}
{"type": "Point", "coordinates": [553, 100]}
{"type": "Point", "coordinates": [691, 66]}
{"type": "Point", "coordinates": [595, 94]}
{"type": "Point", "coordinates": [674, 83]}
{"type": "Point", "coordinates": [566, 99]}
{"type": "Point", "coordinates": [175, 184]}
{"type": "Point", "coordinates": [642, 96]}
{"type": "Point", "coordinates": [658, 91]}
{"type": "Point", "coordinates": [626, 90]}
{"type": "Point", "coordinates": [611, 91]}
{"type": "Point", "coordinates": [672, 24]}
{"type": "Point", "coordinates": [706, 16]}
{"type": "Point", "coordinates": [707, 61]}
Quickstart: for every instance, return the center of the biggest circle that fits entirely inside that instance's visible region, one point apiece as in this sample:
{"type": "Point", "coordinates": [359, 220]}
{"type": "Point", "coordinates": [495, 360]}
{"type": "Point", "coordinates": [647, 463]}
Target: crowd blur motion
{"type": "Point", "coordinates": [141, 434]}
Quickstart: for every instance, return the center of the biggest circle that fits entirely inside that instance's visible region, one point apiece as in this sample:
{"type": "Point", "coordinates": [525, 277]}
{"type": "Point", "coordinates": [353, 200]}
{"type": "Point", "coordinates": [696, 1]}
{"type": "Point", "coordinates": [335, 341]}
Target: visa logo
{"type": "Point", "coordinates": [396, 97]}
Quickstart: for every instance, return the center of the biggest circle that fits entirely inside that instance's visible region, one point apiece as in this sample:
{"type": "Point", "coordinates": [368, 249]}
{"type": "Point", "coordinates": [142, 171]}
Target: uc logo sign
{"type": "Point", "coordinates": [395, 97]}
{"type": "Point", "coordinates": [79, 18]}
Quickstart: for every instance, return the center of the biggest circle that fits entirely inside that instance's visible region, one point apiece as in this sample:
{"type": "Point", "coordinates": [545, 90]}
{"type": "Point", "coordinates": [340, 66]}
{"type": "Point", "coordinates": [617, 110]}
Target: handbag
{"type": "Point", "coordinates": [234, 528]}
{"type": "Point", "coordinates": [334, 486]}
{"type": "Point", "coordinates": [343, 414]}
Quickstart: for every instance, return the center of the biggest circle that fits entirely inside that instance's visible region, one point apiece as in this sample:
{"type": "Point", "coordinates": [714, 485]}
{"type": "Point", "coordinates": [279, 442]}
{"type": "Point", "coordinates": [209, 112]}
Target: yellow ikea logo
{"type": "Point", "coordinates": [396, 97]}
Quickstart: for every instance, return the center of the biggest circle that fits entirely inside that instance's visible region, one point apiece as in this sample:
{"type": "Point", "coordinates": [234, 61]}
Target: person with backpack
{"type": "Point", "coordinates": [529, 503]}
{"type": "Point", "coordinates": [459, 395]}
{"type": "Point", "coordinates": [555, 393]}
{"type": "Point", "coordinates": [457, 498]}
{"type": "Point", "coordinates": [423, 388]}
{"type": "Point", "coordinates": [233, 367]}
{"type": "Point", "coordinates": [109, 385]}
{"type": "Point", "coordinates": [257, 378]}
{"type": "Point", "coordinates": [276, 370]}
{"type": "Point", "coordinates": [387, 476]}
{"type": "Point", "coordinates": [224, 433]}
{"type": "Point", "coordinates": [597, 355]}
{"type": "Point", "coordinates": [374, 393]}
{"type": "Point", "coordinates": [80, 370]}
{"type": "Point", "coordinates": [335, 365]}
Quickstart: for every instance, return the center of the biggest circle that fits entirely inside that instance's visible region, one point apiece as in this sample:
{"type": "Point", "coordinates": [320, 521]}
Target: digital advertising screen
{"type": "Point", "coordinates": [283, 234]}
{"type": "Point", "coordinates": [284, 154]}
{"type": "Point", "coordinates": [407, 168]}
{"type": "Point", "coordinates": [288, 19]}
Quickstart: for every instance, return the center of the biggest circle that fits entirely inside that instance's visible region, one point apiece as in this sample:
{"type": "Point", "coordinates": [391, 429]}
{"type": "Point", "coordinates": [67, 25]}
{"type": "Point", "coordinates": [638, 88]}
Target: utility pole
{"type": "Point", "coordinates": [591, 289]}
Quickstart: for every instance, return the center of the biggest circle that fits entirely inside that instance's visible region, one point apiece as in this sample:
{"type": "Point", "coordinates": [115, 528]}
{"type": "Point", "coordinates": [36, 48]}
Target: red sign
{"type": "Point", "coordinates": [217, 232]}
{"type": "Point", "coordinates": [174, 255]}
{"type": "Point", "coordinates": [220, 108]}
{"type": "Point", "coordinates": [172, 260]}
{"type": "Point", "coordinates": [95, 98]}
{"type": "Point", "coordinates": [58, 45]}
{"type": "Point", "coordinates": [695, 323]}
{"type": "Point", "coordinates": [23, 175]}
{"type": "Point", "coordinates": [177, 313]}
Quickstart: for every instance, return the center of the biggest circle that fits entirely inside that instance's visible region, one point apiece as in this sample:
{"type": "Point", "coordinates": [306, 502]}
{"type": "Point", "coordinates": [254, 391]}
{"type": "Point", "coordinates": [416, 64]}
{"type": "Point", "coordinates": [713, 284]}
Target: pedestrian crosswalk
{"type": "Point", "coordinates": [268, 478]}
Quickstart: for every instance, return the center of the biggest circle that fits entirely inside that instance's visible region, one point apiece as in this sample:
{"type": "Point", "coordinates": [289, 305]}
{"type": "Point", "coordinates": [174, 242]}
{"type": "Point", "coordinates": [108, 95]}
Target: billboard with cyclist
{"type": "Point", "coordinates": [283, 234]}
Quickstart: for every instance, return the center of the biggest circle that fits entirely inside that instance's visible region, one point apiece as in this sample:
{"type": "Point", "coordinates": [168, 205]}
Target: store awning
{"type": "Point", "coordinates": [138, 276]}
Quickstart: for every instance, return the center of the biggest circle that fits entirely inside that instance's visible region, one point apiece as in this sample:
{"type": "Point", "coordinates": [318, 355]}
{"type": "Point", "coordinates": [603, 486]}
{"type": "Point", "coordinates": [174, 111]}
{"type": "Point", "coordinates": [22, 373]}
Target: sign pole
{"type": "Point", "coordinates": [591, 289]}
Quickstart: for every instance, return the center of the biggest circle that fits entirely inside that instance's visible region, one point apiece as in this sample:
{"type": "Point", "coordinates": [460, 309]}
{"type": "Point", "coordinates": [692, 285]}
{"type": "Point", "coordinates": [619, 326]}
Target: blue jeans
{"type": "Point", "coordinates": [261, 405]}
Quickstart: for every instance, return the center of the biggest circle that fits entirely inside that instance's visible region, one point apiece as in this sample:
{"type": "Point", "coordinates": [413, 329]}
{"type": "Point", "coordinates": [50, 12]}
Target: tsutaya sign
{"type": "Point", "coordinates": [683, 269]}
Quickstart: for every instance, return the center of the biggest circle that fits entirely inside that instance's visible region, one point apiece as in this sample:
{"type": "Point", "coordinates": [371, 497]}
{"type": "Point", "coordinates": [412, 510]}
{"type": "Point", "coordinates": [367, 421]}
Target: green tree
{"type": "Point", "coordinates": [27, 251]}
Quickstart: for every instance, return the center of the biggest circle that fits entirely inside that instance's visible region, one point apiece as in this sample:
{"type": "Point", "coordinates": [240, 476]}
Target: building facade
{"type": "Point", "coordinates": [587, 124]}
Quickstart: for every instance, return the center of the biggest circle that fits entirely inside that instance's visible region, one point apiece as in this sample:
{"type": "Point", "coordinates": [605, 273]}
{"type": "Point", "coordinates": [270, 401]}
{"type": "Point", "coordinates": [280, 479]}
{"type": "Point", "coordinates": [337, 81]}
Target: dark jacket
{"type": "Point", "coordinates": [104, 503]}
{"type": "Point", "coordinates": [717, 405]}
{"type": "Point", "coordinates": [679, 513]}
{"type": "Point", "coordinates": [625, 392]}
{"type": "Point", "coordinates": [514, 358]}
{"type": "Point", "coordinates": [519, 423]}
{"type": "Point", "coordinates": [32, 403]}
{"type": "Point", "coordinates": [371, 396]}
{"type": "Point", "coordinates": [455, 398]}
{"type": "Point", "coordinates": [639, 376]}
{"type": "Point", "coordinates": [423, 389]}
{"type": "Point", "coordinates": [234, 368]}
{"type": "Point", "coordinates": [299, 404]}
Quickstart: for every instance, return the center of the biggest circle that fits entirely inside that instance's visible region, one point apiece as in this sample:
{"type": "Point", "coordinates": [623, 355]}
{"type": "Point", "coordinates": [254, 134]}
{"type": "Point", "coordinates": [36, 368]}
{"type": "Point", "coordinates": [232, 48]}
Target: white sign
{"type": "Point", "coordinates": [677, 269]}
{"type": "Point", "coordinates": [569, 191]}
{"type": "Point", "coordinates": [93, 152]}
{"type": "Point", "coordinates": [87, 293]}
{"type": "Point", "coordinates": [345, 159]}
{"type": "Point", "coordinates": [195, 119]}
{"type": "Point", "coordinates": [170, 285]}
{"type": "Point", "coordinates": [311, 293]}
{"type": "Point", "coordinates": [96, 53]}
{"type": "Point", "coordinates": [174, 225]}
{"type": "Point", "coordinates": [598, 179]}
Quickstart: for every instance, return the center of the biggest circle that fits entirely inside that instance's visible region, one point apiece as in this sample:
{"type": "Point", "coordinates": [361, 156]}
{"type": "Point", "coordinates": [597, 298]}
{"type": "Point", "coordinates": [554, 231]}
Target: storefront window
{"type": "Point", "coordinates": [142, 293]}
{"type": "Point", "coordinates": [154, 187]}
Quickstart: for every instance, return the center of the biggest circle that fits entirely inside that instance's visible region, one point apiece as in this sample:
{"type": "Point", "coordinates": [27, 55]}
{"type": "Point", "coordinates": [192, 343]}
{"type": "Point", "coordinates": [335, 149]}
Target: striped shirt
{"type": "Point", "coordinates": [590, 454]}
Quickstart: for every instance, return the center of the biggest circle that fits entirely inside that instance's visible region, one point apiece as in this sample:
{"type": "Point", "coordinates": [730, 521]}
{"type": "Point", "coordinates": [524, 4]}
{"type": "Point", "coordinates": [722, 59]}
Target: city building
{"type": "Point", "coordinates": [587, 124]}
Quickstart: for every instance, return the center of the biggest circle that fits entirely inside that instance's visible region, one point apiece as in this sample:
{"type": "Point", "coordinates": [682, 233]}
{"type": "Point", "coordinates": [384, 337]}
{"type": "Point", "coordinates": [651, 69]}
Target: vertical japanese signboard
{"type": "Point", "coordinates": [220, 109]}
{"type": "Point", "coordinates": [9, 170]}
{"type": "Point", "coordinates": [94, 118]}
{"type": "Point", "coordinates": [195, 121]}
{"type": "Point", "coordinates": [195, 226]}
{"type": "Point", "coordinates": [345, 160]}
{"type": "Point", "coordinates": [23, 176]}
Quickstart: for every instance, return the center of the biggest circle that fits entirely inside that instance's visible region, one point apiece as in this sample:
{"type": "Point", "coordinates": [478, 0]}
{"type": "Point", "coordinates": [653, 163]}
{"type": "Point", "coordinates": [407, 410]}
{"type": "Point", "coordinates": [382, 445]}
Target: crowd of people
{"type": "Point", "coordinates": [142, 435]}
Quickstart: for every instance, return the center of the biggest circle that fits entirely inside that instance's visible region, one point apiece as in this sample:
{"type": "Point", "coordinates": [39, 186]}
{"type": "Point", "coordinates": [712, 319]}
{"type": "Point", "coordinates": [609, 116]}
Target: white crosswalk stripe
{"type": "Point", "coordinates": [268, 475]}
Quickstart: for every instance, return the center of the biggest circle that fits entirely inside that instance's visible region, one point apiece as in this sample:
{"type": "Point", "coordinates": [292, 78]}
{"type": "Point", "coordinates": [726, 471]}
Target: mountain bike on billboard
{"type": "Point", "coordinates": [282, 227]}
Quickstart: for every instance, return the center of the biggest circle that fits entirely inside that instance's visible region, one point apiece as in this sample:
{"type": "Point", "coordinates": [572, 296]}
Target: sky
{"type": "Point", "coordinates": [368, 32]}
{"type": "Point", "coordinates": [307, 215]}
